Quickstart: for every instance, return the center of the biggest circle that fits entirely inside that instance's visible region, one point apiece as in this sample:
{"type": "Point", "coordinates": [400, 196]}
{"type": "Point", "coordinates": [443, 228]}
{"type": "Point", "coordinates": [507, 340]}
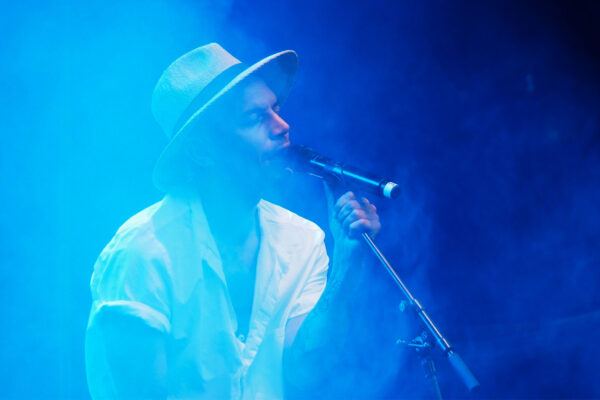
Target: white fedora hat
{"type": "Point", "coordinates": [195, 81]}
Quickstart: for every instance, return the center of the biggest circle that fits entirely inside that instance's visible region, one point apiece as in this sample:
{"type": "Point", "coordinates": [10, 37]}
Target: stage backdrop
{"type": "Point", "coordinates": [486, 113]}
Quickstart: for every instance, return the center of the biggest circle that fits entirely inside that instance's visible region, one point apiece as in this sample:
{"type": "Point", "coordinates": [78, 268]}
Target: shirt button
{"type": "Point", "coordinates": [241, 338]}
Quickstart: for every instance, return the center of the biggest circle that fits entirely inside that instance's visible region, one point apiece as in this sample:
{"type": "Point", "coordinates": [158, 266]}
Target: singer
{"type": "Point", "coordinates": [214, 293]}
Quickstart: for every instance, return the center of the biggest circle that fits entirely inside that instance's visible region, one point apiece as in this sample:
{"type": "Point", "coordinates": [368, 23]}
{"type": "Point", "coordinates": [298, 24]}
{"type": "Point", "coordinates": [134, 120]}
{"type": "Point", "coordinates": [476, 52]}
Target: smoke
{"type": "Point", "coordinates": [487, 116]}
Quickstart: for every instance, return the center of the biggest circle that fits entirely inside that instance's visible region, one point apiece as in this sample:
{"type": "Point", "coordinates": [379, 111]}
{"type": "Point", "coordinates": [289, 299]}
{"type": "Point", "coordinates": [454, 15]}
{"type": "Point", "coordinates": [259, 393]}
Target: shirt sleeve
{"type": "Point", "coordinates": [131, 282]}
{"type": "Point", "coordinates": [315, 284]}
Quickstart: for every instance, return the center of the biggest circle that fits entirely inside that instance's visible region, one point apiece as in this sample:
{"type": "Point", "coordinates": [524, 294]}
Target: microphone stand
{"type": "Point", "coordinates": [312, 163]}
{"type": "Point", "coordinates": [459, 366]}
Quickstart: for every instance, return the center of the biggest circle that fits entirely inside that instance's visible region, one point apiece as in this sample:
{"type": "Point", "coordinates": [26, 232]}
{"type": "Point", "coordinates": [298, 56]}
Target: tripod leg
{"type": "Point", "coordinates": [430, 373]}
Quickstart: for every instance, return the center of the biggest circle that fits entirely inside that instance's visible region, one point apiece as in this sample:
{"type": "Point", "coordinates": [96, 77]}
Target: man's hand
{"type": "Point", "coordinates": [350, 217]}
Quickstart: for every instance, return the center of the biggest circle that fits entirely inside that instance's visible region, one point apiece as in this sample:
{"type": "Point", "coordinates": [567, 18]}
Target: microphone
{"type": "Point", "coordinates": [305, 159]}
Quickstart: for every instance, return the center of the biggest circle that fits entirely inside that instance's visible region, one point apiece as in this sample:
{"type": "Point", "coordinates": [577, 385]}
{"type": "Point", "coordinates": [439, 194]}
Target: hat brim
{"type": "Point", "coordinates": [278, 72]}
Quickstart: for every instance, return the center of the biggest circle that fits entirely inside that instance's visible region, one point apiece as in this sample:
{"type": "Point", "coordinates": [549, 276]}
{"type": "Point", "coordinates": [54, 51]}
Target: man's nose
{"type": "Point", "coordinates": [279, 127]}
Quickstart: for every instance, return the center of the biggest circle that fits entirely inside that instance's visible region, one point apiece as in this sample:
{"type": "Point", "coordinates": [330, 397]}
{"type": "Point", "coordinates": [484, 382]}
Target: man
{"type": "Point", "coordinates": [203, 294]}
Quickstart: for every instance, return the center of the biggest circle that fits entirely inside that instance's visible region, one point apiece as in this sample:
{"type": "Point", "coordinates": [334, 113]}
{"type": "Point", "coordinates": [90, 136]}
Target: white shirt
{"type": "Point", "coordinates": [163, 267]}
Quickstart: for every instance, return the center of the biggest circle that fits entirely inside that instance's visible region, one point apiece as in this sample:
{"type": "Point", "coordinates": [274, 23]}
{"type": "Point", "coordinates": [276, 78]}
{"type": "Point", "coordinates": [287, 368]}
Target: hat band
{"type": "Point", "coordinates": [209, 91]}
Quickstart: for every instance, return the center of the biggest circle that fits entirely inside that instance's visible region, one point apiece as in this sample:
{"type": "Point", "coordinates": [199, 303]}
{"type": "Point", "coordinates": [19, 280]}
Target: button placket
{"type": "Point", "coordinates": [269, 272]}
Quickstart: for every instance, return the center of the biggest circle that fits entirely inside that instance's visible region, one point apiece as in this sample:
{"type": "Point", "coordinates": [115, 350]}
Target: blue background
{"type": "Point", "coordinates": [486, 113]}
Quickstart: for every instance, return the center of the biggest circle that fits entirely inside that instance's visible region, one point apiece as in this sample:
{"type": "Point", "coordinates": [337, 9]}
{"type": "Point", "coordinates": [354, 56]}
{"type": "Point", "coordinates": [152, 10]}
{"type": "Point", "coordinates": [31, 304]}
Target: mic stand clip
{"type": "Point", "coordinates": [459, 366]}
{"type": "Point", "coordinates": [423, 347]}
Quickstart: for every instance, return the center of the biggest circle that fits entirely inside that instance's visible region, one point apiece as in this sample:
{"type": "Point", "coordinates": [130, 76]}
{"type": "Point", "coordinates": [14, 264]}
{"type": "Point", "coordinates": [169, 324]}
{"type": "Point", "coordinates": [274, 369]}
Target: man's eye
{"type": "Point", "coordinates": [251, 119]}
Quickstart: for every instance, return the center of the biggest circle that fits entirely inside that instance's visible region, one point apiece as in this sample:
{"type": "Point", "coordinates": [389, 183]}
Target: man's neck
{"type": "Point", "coordinates": [230, 209]}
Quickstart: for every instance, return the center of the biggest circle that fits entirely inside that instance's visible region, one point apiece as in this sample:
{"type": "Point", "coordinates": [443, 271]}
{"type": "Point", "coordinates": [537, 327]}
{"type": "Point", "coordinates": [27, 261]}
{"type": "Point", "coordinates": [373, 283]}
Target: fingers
{"type": "Point", "coordinates": [344, 210]}
{"type": "Point", "coordinates": [359, 227]}
{"type": "Point", "coordinates": [356, 223]}
{"type": "Point", "coordinates": [341, 202]}
{"type": "Point", "coordinates": [347, 208]}
{"type": "Point", "coordinates": [368, 207]}
{"type": "Point", "coordinates": [356, 217]}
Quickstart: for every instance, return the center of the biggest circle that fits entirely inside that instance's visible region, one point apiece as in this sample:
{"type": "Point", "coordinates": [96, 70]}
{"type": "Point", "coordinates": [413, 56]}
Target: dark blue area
{"type": "Point", "coordinates": [486, 113]}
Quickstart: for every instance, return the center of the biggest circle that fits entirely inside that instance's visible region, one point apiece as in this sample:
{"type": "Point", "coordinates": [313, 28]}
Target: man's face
{"type": "Point", "coordinates": [251, 129]}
